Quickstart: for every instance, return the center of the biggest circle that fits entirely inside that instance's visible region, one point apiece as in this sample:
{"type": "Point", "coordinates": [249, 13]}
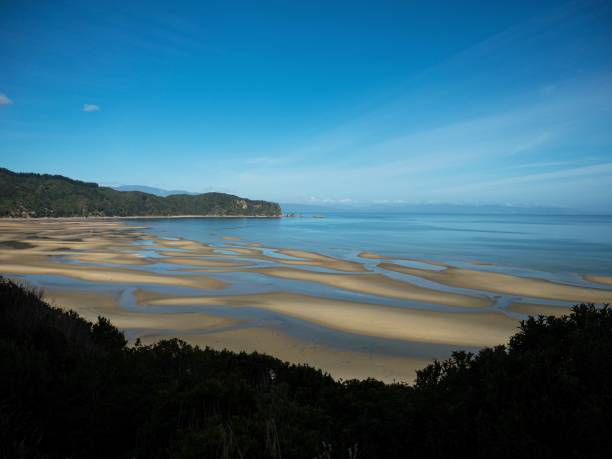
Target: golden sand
{"type": "Point", "coordinates": [243, 251]}
{"type": "Point", "coordinates": [461, 328]}
{"type": "Point", "coordinates": [111, 275]}
{"type": "Point", "coordinates": [110, 258]}
{"type": "Point", "coordinates": [373, 256]}
{"type": "Point", "coordinates": [41, 247]}
{"type": "Point", "coordinates": [377, 284]}
{"type": "Point", "coordinates": [91, 304]}
{"type": "Point", "coordinates": [204, 329]}
{"type": "Point", "coordinates": [604, 280]}
{"type": "Point", "coordinates": [504, 283]}
{"type": "Point", "coordinates": [186, 261]}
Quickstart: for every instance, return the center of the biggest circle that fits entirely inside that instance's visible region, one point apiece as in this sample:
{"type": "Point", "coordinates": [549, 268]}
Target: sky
{"type": "Point", "coordinates": [472, 102]}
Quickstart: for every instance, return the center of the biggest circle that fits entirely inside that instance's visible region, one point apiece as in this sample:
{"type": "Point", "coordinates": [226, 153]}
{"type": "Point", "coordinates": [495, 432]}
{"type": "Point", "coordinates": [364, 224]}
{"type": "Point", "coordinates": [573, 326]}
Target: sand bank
{"type": "Point", "coordinates": [217, 332]}
{"type": "Point", "coordinates": [110, 258]}
{"type": "Point", "coordinates": [377, 284]}
{"type": "Point", "coordinates": [111, 275]}
{"type": "Point", "coordinates": [317, 259]}
{"type": "Point", "coordinates": [374, 256]}
{"type": "Point", "coordinates": [91, 304]}
{"type": "Point", "coordinates": [604, 280]}
{"type": "Point", "coordinates": [186, 261]}
{"type": "Point", "coordinates": [320, 261]}
{"type": "Point", "coordinates": [504, 283]}
{"type": "Point", "coordinates": [461, 328]}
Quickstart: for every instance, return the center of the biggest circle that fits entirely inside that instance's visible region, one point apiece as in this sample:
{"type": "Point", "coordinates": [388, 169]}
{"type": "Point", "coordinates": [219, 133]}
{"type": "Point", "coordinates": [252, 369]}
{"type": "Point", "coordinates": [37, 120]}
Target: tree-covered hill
{"type": "Point", "coordinates": [70, 388]}
{"type": "Point", "coordinates": [42, 195]}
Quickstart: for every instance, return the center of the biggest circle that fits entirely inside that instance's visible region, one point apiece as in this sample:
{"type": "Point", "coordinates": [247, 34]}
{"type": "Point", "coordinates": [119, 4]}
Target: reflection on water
{"type": "Point", "coordinates": [551, 244]}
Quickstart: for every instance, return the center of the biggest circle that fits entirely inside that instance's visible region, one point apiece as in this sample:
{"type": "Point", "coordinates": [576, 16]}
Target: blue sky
{"type": "Point", "coordinates": [459, 102]}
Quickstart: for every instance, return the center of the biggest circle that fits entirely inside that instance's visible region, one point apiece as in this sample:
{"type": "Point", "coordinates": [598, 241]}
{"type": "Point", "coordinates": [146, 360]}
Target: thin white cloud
{"type": "Point", "coordinates": [594, 170]}
{"type": "Point", "coordinates": [91, 108]}
{"type": "Point", "coordinates": [317, 200]}
{"type": "Point", "coordinates": [268, 160]}
{"type": "Point", "coordinates": [4, 100]}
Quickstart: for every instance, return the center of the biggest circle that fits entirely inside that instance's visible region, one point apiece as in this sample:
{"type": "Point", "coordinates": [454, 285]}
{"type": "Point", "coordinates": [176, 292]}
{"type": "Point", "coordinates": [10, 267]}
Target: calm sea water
{"type": "Point", "coordinates": [558, 245]}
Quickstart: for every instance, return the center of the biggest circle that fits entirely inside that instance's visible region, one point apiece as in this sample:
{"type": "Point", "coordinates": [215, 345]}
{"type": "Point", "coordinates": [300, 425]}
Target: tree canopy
{"type": "Point", "coordinates": [43, 195]}
{"type": "Point", "coordinates": [71, 388]}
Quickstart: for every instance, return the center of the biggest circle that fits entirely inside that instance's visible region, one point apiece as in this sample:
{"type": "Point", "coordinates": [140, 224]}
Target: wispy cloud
{"type": "Point", "coordinates": [588, 171]}
{"type": "Point", "coordinates": [4, 100]}
{"type": "Point", "coordinates": [268, 160]}
{"type": "Point", "coordinates": [91, 108]}
{"type": "Point", "coordinates": [318, 200]}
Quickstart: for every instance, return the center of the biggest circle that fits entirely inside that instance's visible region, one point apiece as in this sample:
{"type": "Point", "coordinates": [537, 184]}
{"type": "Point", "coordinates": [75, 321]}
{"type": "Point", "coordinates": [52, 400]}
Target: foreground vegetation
{"type": "Point", "coordinates": [70, 388]}
{"type": "Point", "coordinates": [42, 195]}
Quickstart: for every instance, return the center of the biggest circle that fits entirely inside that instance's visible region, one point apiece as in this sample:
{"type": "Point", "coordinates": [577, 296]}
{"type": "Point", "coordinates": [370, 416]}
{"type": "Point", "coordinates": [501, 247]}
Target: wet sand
{"type": "Point", "coordinates": [112, 275]}
{"type": "Point", "coordinates": [115, 254]}
{"type": "Point", "coordinates": [323, 261]}
{"type": "Point", "coordinates": [373, 256]}
{"type": "Point", "coordinates": [187, 261]}
{"type": "Point", "coordinates": [461, 328]}
{"type": "Point", "coordinates": [109, 258]}
{"type": "Point", "coordinates": [504, 283]}
{"type": "Point", "coordinates": [91, 304]}
{"type": "Point", "coordinates": [377, 284]}
{"type": "Point", "coordinates": [300, 257]}
{"type": "Point", "coordinates": [604, 280]}
{"type": "Point", "coordinates": [219, 333]}
{"type": "Point", "coordinates": [376, 256]}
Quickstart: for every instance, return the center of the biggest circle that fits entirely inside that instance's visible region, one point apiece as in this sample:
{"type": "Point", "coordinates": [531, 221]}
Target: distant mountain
{"type": "Point", "coordinates": [43, 195]}
{"type": "Point", "coordinates": [152, 190]}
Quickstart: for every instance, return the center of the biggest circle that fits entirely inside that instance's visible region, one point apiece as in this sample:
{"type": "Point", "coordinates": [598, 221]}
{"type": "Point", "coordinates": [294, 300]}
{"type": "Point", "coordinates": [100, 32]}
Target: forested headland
{"type": "Point", "coordinates": [29, 195]}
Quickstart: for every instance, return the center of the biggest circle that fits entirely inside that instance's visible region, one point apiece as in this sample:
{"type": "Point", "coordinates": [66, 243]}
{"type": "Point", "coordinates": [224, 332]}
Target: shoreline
{"type": "Point", "coordinates": [133, 217]}
{"type": "Point", "coordinates": [471, 329]}
{"type": "Point", "coordinates": [489, 281]}
{"type": "Point", "coordinates": [241, 294]}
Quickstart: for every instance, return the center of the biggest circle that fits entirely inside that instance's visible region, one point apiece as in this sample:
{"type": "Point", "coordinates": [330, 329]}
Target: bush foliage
{"type": "Point", "coordinates": [71, 388]}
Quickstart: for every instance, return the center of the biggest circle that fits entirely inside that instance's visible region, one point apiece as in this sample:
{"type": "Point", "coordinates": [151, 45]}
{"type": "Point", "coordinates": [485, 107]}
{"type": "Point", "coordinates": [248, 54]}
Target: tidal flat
{"type": "Point", "coordinates": [352, 307]}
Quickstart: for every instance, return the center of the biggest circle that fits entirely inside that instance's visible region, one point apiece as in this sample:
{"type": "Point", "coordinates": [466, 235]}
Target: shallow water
{"type": "Point", "coordinates": [555, 248]}
{"type": "Point", "coordinates": [546, 244]}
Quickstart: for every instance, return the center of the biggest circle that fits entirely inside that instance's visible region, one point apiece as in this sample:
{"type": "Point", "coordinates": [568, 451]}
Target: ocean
{"type": "Point", "coordinates": [552, 245]}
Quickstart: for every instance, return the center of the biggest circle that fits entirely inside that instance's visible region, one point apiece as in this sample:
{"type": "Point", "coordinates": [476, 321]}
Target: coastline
{"type": "Point", "coordinates": [506, 284]}
{"type": "Point", "coordinates": [135, 217]}
{"type": "Point", "coordinates": [228, 293]}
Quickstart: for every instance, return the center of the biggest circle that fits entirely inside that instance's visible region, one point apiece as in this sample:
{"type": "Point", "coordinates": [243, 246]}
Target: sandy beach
{"type": "Point", "coordinates": [202, 329]}
{"type": "Point", "coordinates": [504, 283]}
{"type": "Point", "coordinates": [461, 329]}
{"type": "Point", "coordinates": [604, 280]}
{"type": "Point", "coordinates": [376, 284]}
{"type": "Point", "coordinates": [91, 304]}
{"type": "Point", "coordinates": [114, 255]}
{"type": "Point", "coordinates": [113, 275]}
